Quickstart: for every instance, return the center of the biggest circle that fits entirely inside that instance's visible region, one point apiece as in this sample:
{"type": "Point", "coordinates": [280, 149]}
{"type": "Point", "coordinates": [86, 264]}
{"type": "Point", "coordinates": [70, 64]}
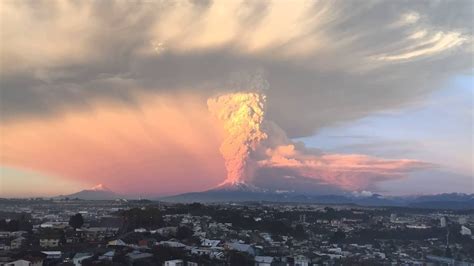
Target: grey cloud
{"type": "Point", "coordinates": [286, 179]}
{"type": "Point", "coordinates": [330, 85]}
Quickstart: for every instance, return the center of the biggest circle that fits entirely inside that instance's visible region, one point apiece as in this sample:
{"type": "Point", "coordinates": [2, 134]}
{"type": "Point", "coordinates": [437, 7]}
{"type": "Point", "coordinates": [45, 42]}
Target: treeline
{"type": "Point", "coordinates": [21, 223]}
{"type": "Point", "coordinates": [149, 217]}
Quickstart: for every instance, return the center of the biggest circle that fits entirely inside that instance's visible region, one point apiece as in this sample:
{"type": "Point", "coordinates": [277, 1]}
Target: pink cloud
{"type": "Point", "coordinates": [346, 171]}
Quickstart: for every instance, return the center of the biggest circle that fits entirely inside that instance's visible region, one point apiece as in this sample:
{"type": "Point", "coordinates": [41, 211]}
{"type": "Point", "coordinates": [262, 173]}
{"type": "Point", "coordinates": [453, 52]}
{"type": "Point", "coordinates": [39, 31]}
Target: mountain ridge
{"type": "Point", "coordinates": [97, 192]}
{"type": "Point", "coordinates": [243, 192]}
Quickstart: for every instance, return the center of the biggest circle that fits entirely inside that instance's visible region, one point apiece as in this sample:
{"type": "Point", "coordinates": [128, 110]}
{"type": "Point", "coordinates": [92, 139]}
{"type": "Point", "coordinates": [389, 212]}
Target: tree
{"type": "Point", "coordinates": [24, 223]}
{"type": "Point", "coordinates": [184, 232]}
{"type": "Point", "coordinates": [338, 236]}
{"type": "Point", "coordinates": [76, 221]}
{"type": "Point", "coordinates": [147, 218]}
{"type": "Point", "coordinates": [299, 232]}
{"type": "Point", "coordinates": [240, 259]}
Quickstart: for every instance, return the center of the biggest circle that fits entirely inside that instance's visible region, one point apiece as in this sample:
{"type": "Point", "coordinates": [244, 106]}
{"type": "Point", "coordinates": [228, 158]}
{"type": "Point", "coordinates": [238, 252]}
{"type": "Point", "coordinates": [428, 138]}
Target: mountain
{"type": "Point", "coordinates": [98, 192]}
{"type": "Point", "coordinates": [242, 192]}
{"type": "Point", "coordinates": [444, 201]}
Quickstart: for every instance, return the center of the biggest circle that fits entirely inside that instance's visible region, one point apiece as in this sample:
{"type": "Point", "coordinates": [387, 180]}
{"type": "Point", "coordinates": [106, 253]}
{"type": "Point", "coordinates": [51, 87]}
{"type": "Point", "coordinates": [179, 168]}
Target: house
{"type": "Point", "coordinates": [56, 225]}
{"type": "Point", "coordinates": [17, 242]}
{"type": "Point", "coordinates": [301, 260]}
{"type": "Point", "coordinates": [263, 260]}
{"type": "Point", "coordinates": [217, 254]}
{"type": "Point", "coordinates": [210, 243]}
{"type": "Point", "coordinates": [166, 231]}
{"type": "Point", "coordinates": [35, 258]}
{"type": "Point", "coordinates": [242, 248]}
{"type": "Point", "coordinates": [21, 263]}
{"type": "Point", "coordinates": [465, 231]}
{"type": "Point", "coordinates": [49, 242]}
{"type": "Point", "coordinates": [4, 246]}
{"type": "Point", "coordinates": [172, 244]}
{"type": "Point", "coordinates": [148, 242]}
{"type": "Point", "coordinates": [93, 234]}
{"type": "Point", "coordinates": [118, 242]}
{"type": "Point", "coordinates": [79, 257]}
{"type": "Point", "coordinates": [174, 263]}
{"type": "Point", "coordinates": [201, 251]}
{"type": "Point", "coordinates": [135, 256]}
{"type": "Point", "coordinates": [51, 255]}
{"type": "Point", "coordinates": [72, 237]}
{"type": "Point", "coordinates": [50, 238]}
{"type": "Point", "coordinates": [108, 255]}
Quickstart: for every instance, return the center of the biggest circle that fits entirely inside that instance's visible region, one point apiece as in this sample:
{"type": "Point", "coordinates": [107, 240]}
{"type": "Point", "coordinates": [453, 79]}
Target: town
{"type": "Point", "coordinates": [141, 232]}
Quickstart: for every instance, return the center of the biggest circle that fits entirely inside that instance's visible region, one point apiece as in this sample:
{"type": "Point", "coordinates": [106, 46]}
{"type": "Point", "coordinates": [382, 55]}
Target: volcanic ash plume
{"type": "Point", "coordinates": [242, 115]}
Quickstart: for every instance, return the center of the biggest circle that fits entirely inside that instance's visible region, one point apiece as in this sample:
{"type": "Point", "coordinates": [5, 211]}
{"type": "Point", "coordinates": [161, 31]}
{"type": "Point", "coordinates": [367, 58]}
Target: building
{"type": "Point", "coordinates": [303, 218]}
{"type": "Point", "coordinates": [51, 255]}
{"type": "Point", "coordinates": [246, 248]}
{"type": "Point", "coordinates": [49, 242]}
{"type": "Point", "coordinates": [393, 217]}
{"type": "Point", "coordinates": [21, 263]}
{"type": "Point", "coordinates": [301, 261]}
{"type": "Point", "coordinates": [465, 231]}
{"type": "Point", "coordinates": [263, 261]}
{"type": "Point", "coordinates": [136, 256]}
{"type": "Point", "coordinates": [79, 257]}
{"type": "Point", "coordinates": [210, 243]}
{"type": "Point", "coordinates": [442, 221]}
{"type": "Point", "coordinates": [17, 242]}
{"type": "Point", "coordinates": [174, 263]}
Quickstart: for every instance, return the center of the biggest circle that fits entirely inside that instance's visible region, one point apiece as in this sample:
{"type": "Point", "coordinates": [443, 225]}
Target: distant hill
{"type": "Point", "coordinates": [98, 192]}
{"type": "Point", "coordinates": [444, 201]}
{"type": "Point", "coordinates": [243, 192]}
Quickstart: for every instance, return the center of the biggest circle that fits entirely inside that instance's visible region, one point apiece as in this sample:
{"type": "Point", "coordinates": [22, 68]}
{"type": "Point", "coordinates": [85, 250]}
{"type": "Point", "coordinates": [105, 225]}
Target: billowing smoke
{"type": "Point", "coordinates": [258, 152]}
{"type": "Point", "coordinates": [242, 116]}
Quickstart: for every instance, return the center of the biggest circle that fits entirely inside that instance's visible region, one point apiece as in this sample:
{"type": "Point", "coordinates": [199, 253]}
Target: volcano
{"type": "Point", "coordinates": [244, 192]}
{"type": "Point", "coordinates": [97, 192]}
{"type": "Point", "coordinates": [225, 192]}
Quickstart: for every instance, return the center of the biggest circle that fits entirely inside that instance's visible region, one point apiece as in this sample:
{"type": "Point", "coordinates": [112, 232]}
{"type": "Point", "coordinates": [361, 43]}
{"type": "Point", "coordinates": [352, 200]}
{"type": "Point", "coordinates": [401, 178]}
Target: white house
{"type": "Point", "coordinates": [301, 261]}
{"type": "Point", "coordinates": [19, 263]}
{"type": "Point", "coordinates": [465, 231]}
{"type": "Point", "coordinates": [79, 257]}
{"type": "Point", "coordinates": [210, 243]}
{"type": "Point", "coordinates": [263, 260]}
{"type": "Point", "coordinates": [174, 263]}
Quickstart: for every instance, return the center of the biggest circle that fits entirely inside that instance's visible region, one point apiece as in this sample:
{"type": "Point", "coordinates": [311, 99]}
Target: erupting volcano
{"type": "Point", "coordinates": [242, 116]}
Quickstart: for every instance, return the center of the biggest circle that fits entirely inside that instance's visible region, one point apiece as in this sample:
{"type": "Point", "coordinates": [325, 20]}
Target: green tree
{"type": "Point", "coordinates": [338, 236]}
{"type": "Point", "coordinates": [184, 232]}
{"type": "Point", "coordinates": [299, 232]}
{"type": "Point", "coordinates": [147, 218]}
{"type": "Point", "coordinates": [240, 259]}
{"type": "Point", "coordinates": [76, 221]}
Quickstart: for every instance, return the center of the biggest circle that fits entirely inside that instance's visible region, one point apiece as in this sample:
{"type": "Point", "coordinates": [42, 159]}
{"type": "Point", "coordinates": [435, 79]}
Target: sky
{"type": "Point", "coordinates": [165, 97]}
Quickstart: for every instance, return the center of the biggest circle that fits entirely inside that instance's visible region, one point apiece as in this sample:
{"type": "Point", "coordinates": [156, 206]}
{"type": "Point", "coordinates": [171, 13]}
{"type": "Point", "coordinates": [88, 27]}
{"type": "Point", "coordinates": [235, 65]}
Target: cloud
{"type": "Point", "coordinates": [124, 85]}
{"type": "Point", "coordinates": [326, 62]}
{"type": "Point", "coordinates": [164, 145]}
{"type": "Point", "coordinates": [344, 171]}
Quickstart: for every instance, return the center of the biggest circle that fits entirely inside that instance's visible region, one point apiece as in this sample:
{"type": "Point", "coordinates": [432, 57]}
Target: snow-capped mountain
{"type": "Point", "coordinates": [98, 192]}
{"type": "Point", "coordinates": [239, 186]}
{"type": "Point", "coordinates": [100, 187]}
